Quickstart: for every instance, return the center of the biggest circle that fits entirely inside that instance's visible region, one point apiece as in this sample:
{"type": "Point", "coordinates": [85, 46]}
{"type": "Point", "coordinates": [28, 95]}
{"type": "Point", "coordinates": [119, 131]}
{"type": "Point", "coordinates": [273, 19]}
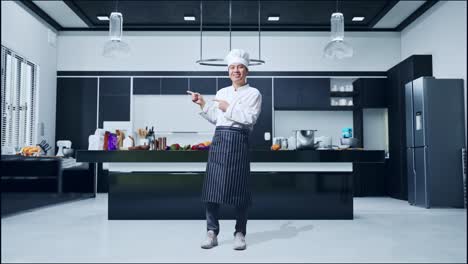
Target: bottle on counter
{"type": "Point", "coordinates": [284, 143]}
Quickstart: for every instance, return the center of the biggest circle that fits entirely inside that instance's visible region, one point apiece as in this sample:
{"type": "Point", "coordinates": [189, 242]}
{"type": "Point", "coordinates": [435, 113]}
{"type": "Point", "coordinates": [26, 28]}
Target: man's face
{"type": "Point", "coordinates": [238, 73]}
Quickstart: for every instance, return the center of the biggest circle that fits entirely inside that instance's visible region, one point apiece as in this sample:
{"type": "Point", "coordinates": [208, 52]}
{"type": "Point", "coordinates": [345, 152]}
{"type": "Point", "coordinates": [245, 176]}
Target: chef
{"type": "Point", "coordinates": [234, 111]}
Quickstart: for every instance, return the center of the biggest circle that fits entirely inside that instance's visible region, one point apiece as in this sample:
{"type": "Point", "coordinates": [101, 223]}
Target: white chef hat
{"type": "Point", "coordinates": [238, 56]}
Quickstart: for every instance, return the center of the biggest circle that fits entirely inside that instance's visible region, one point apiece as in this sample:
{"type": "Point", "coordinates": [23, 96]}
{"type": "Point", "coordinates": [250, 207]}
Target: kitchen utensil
{"type": "Point", "coordinates": [324, 142]}
{"type": "Point", "coordinates": [68, 152]}
{"type": "Point", "coordinates": [305, 139]}
{"type": "Point", "coordinates": [128, 142]}
{"type": "Point", "coordinates": [347, 132]}
{"type": "Point", "coordinates": [146, 147]}
{"type": "Point", "coordinates": [349, 142]}
{"type": "Point", "coordinates": [45, 147]}
{"type": "Point", "coordinates": [61, 144]}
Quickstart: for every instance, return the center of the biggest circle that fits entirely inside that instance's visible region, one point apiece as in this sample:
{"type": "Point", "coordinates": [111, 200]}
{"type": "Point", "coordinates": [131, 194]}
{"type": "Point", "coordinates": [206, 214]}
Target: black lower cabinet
{"type": "Point", "coordinates": [369, 179]}
{"type": "Point", "coordinates": [102, 179]}
{"type": "Point", "coordinates": [39, 175]}
{"type": "Point", "coordinates": [275, 196]}
{"type": "Point", "coordinates": [29, 183]}
{"type": "Point", "coordinates": [79, 179]}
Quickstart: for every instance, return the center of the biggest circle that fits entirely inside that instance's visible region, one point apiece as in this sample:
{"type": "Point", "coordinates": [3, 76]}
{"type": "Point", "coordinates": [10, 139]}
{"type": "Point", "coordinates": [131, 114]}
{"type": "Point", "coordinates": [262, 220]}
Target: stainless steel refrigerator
{"type": "Point", "coordinates": [435, 133]}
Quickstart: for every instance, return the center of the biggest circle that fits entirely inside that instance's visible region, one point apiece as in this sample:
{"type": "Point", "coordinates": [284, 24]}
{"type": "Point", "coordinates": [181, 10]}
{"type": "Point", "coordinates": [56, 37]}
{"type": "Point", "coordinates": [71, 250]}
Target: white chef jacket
{"type": "Point", "coordinates": [244, 107]}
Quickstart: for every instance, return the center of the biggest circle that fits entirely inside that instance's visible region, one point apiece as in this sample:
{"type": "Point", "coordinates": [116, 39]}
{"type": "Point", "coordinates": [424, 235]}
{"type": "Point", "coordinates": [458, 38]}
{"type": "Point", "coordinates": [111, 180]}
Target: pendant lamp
{"type": "Point", "coordinates": [115, 47]}
{"type": "Point", "coordinates": [337, 48]}
{"type": "Point", "coordinates": [219, 61]}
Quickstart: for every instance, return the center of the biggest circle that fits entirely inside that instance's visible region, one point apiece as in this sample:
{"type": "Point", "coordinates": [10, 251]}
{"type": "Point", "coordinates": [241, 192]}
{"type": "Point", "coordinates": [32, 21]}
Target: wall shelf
{"type": "Point", "coordinates": [343, 94]}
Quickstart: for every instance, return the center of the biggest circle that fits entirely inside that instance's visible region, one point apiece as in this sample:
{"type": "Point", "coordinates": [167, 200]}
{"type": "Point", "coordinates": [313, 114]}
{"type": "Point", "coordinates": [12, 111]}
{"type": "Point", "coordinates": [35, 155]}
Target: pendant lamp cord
{"type": "Point", "coordinates": [259, 37]}
{"type": "Point", "coordinates": [201, 29]}
{"type": "Point", "coordinates": [230, 28]}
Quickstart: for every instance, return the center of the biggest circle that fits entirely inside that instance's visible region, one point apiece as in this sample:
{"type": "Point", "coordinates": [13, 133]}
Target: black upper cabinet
{"type": "Point", "coordinates": [302, 93]}
{"type": "Point", "coordinates": [147, 86]}
{"type": "Point", "coordinates": [203, 85]}
{"type": "Point", "coordinates": [316, 93]}
{"type": "Point", "coordinates": [114, 106]}
{"type": "Point", "coordinates": [286, 96]}
{"type": "Point", "coordinates": [174, 85]}
{"type": "Point", "coordinates": [114, 86]}
{"type": "Point", "coordinates": [371, 92]}
{"type": "Point", "coordinates": [264, 122]}
{"type": "Point", "coordinates": [225, 82]}
{"type": "Point", "coordinates": [76, 110]}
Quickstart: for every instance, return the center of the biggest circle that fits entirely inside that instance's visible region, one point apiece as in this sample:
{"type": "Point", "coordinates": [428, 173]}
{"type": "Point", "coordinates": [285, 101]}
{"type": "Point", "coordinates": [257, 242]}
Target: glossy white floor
{"type": "Point", "coordinates": [384, 230]}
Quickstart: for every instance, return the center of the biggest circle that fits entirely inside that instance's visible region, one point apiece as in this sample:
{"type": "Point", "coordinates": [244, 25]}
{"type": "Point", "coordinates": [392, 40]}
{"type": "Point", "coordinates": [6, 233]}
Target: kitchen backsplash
{"type": "Point", "coordinates": [175, 117]}
{"type": "Point", "coordinates": [375, 126]}
{"type": "Point", "coordinates": [169, 113]}
{"type": "Point", "coordinates": [327, 123]}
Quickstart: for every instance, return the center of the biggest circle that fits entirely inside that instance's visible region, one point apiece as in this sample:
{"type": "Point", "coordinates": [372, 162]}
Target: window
{"type": "Point", "coordinates": [19, 91]}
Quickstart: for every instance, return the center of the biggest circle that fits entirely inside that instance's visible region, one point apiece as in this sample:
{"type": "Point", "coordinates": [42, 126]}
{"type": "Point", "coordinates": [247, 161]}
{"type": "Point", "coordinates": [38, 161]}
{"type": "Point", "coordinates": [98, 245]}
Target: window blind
{"type": "Point", "coordinates": [18, 90]}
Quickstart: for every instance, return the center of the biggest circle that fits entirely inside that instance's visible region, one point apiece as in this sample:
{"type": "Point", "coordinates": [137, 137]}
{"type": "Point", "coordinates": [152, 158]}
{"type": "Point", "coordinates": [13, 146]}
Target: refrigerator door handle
{"type": "Point", "coordinates": [414, 176]}
{"type": "Point", "coordinates": [426, 178]}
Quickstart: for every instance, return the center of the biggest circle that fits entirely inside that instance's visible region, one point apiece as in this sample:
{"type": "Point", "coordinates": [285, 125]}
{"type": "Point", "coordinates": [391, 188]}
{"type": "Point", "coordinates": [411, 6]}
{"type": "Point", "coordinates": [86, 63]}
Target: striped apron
{"type": "Point", "coordinates": [228, 169]}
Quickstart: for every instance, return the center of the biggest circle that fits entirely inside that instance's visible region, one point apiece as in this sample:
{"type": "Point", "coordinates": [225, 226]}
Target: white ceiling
{"type": "Point", "coordinates": [398, 14]}
{"type": "Point", "coordinates": [61, 13]}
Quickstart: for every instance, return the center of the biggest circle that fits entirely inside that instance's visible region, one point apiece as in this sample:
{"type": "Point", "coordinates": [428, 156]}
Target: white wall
{"type": "Point", "coordinates": [441, 31]}
{"type": "Point", "coordinates": [178, 51]}
{"type": "Point", "coordinates": [375, 129]}
{"type": "Point", "coordinates": [27, 36]}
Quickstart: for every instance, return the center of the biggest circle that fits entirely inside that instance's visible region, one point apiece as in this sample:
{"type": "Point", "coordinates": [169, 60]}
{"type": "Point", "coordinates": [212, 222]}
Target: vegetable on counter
{"type": "Point", "coordinates": [275, 147]}
{"type": "Point", "coordinates": [201, 146]}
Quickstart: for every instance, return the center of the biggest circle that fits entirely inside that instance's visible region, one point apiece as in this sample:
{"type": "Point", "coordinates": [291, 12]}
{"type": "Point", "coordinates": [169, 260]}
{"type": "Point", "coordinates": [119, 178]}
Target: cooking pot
{"type": "Point", "coordinates": [305, 139]}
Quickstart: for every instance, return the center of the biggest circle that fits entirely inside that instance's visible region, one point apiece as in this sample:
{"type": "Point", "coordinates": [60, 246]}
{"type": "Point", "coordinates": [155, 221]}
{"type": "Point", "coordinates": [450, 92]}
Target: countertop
{"type": "Point", "coordinates": [355, 156]}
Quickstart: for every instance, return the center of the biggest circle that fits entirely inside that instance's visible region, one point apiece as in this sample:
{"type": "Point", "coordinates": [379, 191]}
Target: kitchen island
{"type": "Point", "coordinates": [285, 184]}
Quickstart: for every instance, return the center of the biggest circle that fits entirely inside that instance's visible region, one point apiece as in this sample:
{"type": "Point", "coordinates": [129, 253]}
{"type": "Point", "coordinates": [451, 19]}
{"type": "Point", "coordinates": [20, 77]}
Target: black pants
{"type": "Point", "coordinates": [212, 218]}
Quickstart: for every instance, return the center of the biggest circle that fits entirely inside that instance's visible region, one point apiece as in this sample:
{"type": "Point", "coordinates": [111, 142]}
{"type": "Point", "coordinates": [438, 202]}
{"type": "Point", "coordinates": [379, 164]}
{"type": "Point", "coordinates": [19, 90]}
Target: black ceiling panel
{"type": "Point", "coordinates": [311, 15]}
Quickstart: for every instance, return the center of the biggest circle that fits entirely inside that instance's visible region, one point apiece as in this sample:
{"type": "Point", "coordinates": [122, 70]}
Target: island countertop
{"type": "Point", "coordinates": [354, 156]}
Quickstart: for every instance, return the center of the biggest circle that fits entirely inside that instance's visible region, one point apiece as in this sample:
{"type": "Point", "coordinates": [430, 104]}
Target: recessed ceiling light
{"type": "Point", "coordinates": [273, 18]}
{"type": "Point", "coordinates": [189, 18]}
{"type": "Point", "coordinates": [358, 18]}
{"type": "Point", "coordinates": [103, 18]}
